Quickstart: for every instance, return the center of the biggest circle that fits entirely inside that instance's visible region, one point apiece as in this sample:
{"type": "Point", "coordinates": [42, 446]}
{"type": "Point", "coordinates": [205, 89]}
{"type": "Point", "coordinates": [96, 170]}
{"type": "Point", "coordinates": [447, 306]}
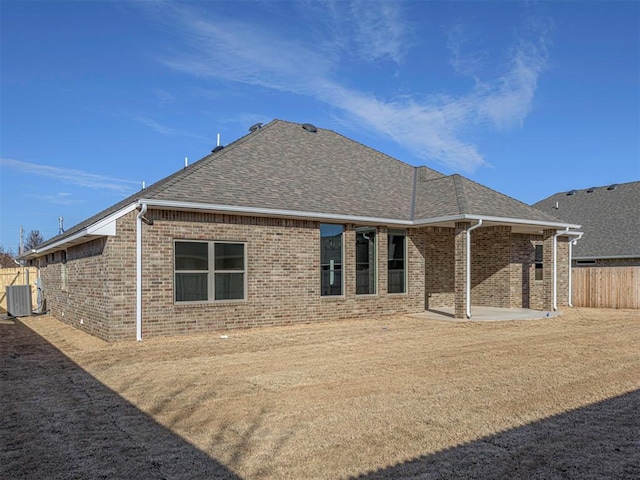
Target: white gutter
{"type": "Point", "coordinates": [468, 302]}
{"type": "Point", "coordinates": [239, 210]}
{"type": "Point", "coordinates": [269, 212]}
{"type": "Point", "coordinates": [143, 210]}
{"type": "Point", "coordinates": [578, 236]}
{"type": "Point", "coordinates": [103, 227]}
{"type": "Point", "coordinates": [555, 267]}
{"type": "Point", "coordinates": [497, 220]}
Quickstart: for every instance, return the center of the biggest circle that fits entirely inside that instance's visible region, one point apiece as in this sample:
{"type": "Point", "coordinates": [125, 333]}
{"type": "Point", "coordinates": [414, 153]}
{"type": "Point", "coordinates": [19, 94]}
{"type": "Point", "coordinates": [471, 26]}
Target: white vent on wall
{"type": "Point", "coordinates": [19, 300]}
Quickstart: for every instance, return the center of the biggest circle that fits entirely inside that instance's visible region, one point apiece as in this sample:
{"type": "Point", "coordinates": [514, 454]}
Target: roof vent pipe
{"type": "Point", "coordinates": [309, 127]}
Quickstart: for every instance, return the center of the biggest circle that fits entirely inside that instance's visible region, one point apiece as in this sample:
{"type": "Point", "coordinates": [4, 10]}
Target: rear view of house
{"type": "Point", "coordinates": [293, 223]}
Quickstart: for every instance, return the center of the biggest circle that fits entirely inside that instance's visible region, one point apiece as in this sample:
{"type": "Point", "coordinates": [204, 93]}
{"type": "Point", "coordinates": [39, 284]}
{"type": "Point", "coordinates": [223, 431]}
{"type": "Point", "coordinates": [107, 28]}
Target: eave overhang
{"type": "Point", "coordinates": [107, 225]}
{"type": "Point", "coordinates": [518, 224]}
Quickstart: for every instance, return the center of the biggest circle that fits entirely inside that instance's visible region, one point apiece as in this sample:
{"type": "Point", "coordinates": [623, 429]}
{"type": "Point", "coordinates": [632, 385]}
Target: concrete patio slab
{"type": "Point", "coordinates": [486, 314]}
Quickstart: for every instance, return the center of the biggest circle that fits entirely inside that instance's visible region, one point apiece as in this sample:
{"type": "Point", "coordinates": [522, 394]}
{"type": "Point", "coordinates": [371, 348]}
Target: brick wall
{"type": "Point", "coordinates": [84, 294]}
{"type": "Point", "coordinates": [490, 267]}
{"type": "Point", "coordinates": [283, 275]}
{"type": "Point", "coordinates": [439, 271]}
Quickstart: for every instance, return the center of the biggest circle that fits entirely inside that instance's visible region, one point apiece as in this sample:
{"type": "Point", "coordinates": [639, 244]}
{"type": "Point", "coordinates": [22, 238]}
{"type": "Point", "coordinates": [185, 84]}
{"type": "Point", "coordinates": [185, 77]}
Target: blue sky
{"type": "Point", "coordinates": [97, 97]}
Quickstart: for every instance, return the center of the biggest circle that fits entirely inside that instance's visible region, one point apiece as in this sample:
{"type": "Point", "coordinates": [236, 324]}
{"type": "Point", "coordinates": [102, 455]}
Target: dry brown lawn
{"type": "Point", "coordinates": [383, 398]}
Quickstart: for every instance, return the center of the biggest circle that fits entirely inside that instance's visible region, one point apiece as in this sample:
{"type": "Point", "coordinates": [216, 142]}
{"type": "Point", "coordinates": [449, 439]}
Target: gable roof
{"type": "Point", "coordinates": [283, 169]}
{"type": "Point", "coordinates": [456, 195]}
{"type": "Point", "coordinates": [610, 219]}
{"type": "Point", "coordinates": [282, 166]}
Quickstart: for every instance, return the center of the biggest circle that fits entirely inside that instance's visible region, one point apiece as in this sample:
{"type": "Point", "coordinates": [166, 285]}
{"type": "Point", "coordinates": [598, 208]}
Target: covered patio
{"type": "Point", "coordinates": [486, 314]}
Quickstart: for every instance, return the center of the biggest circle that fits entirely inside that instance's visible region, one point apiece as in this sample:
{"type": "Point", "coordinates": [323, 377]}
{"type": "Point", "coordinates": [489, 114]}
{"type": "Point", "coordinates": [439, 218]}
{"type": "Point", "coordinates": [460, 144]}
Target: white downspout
{"type": "Point", "coordinates": [555, 267]}
{"type": "Point", "coordinates": [143, 210]}
{"type": "Point", "coordinates": [571, 244]}
{"type": "Point", "coordinates": [468, 302]}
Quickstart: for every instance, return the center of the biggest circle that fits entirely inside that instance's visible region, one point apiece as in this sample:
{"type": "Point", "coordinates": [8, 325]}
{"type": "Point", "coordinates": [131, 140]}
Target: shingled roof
{"type": "Point", "coordinates": [283, 167]}
{"type": "Point", "coordinates": [609, 215]}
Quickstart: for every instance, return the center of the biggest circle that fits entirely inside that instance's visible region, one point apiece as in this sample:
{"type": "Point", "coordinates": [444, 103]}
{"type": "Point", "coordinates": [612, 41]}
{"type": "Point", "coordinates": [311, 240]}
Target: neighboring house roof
{"type": "Point", "coordinates": [285, 170]}
{"type": "Point", "coordinates": [609, 215]}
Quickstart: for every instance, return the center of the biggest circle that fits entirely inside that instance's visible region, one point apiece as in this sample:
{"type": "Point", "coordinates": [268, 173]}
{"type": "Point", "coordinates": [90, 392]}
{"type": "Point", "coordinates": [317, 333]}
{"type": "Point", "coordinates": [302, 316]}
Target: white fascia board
{"type": "Point", "coordinates": [487, 218]}
{"type": "Point", "coordinates": [520, 221]}
{"type": "Point", "coordinates": [102, 228]}
{"type": "Point", "coordinates": [606, 257]}
{"type": "Point", "coordinates": [238, 210]}
{"type": "Point", "coordinates": [268, 212]}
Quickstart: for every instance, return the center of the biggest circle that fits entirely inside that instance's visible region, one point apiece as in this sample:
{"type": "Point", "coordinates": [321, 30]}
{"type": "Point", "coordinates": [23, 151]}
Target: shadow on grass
{"type": "Point", "coordinates": [599, 441]}
{"type": "Point", "coordinates": [58, 422]}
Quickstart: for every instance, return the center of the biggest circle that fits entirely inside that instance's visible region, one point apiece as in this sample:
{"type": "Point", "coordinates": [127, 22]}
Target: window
{"type": "Point", "coordinates": [365, 261]}
{"type": "Point", "coordinates": [585, 262]}
{"type": "Point", "coordinates": [397, 261]}
{"type": "Point", "coordinates": [209, 271]}
{"type": "Point", "coordinates": [538, 262]}
{"type": "Point", "coordinates": [331, 259]}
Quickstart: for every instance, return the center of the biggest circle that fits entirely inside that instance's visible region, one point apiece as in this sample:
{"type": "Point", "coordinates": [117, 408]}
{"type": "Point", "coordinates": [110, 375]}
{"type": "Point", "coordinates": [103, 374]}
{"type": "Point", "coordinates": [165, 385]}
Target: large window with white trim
{"type": "Point", "coordinates": [331, 254]}
{"type": "Point", "coordinates": [397, 261]}
{"type": "Point", "coordinates": [209, 271]}
{"type": "Point", "coordinates": [365, 261]}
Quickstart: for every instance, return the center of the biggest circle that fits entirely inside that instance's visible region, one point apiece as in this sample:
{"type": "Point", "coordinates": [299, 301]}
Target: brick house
{"type": "Point", "coordinates": [610, 219]}
{"type": "Point", "coordinates": [293, 223]}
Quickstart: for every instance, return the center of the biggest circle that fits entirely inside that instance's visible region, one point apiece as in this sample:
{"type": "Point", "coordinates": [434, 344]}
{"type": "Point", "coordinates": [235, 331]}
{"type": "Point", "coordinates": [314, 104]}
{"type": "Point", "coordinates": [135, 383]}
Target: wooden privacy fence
{"type": "Point", "coordinates": [17, 276]}
{"type": "Point", "coordinates": [606, 287]}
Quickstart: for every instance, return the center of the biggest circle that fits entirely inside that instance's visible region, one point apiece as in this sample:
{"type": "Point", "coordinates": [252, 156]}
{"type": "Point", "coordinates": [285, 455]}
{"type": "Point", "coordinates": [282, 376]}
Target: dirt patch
{"type": "Point", "coordinates": [384, 398]}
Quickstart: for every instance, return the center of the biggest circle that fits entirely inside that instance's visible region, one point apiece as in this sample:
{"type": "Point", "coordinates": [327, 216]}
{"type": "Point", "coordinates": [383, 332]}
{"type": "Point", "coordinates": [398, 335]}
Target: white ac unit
{"type": "Point", "coordinates": [19, 300]}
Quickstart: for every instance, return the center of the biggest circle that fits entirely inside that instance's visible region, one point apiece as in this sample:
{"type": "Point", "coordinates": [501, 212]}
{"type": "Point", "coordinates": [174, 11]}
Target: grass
{"type": "Point", "coordinates": [377, 398]}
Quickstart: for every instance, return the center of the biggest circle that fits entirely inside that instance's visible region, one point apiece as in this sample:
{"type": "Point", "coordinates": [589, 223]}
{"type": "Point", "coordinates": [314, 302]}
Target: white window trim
{"type": "Point", "coordinates": [211, 272]}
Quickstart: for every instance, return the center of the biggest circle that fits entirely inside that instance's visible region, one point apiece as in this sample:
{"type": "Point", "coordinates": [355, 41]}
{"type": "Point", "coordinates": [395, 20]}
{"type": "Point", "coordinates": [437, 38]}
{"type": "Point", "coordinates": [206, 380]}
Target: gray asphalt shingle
{"type": "Point", "coordinates": [610, 219]}
{"type": "Point", "coordinates": [281, 166]}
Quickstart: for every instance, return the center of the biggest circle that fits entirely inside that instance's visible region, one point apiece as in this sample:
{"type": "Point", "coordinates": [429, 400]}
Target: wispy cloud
{"type": "Point", "coordinates": [432, 127]}
{"type": "Point", "coordinates": [364, 31]}
{"type": "Point", "coordinates": [72, 176]}
{"type": "Point", "coordinates": [58, 198]}
{"type": "Point", "coordinates": [164, 130]}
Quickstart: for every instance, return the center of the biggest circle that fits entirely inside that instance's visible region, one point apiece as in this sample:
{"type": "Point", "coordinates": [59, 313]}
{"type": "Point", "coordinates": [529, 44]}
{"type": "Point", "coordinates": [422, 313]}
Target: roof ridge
{"type": "Point", "coordinates": [460, 196]}
{"type": "Point", "coordinates": [412, 212]}
{"type": "Point", "coordinates": [152, 190]}
{"type": "Point", "coordinates": [377, 151]}
{"type": "Point", "coordinates": [526, 205]}
{"type": "Point", "coordinates": [563, 193]}
{"type": "Point", "coordinates": [162, 184]}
